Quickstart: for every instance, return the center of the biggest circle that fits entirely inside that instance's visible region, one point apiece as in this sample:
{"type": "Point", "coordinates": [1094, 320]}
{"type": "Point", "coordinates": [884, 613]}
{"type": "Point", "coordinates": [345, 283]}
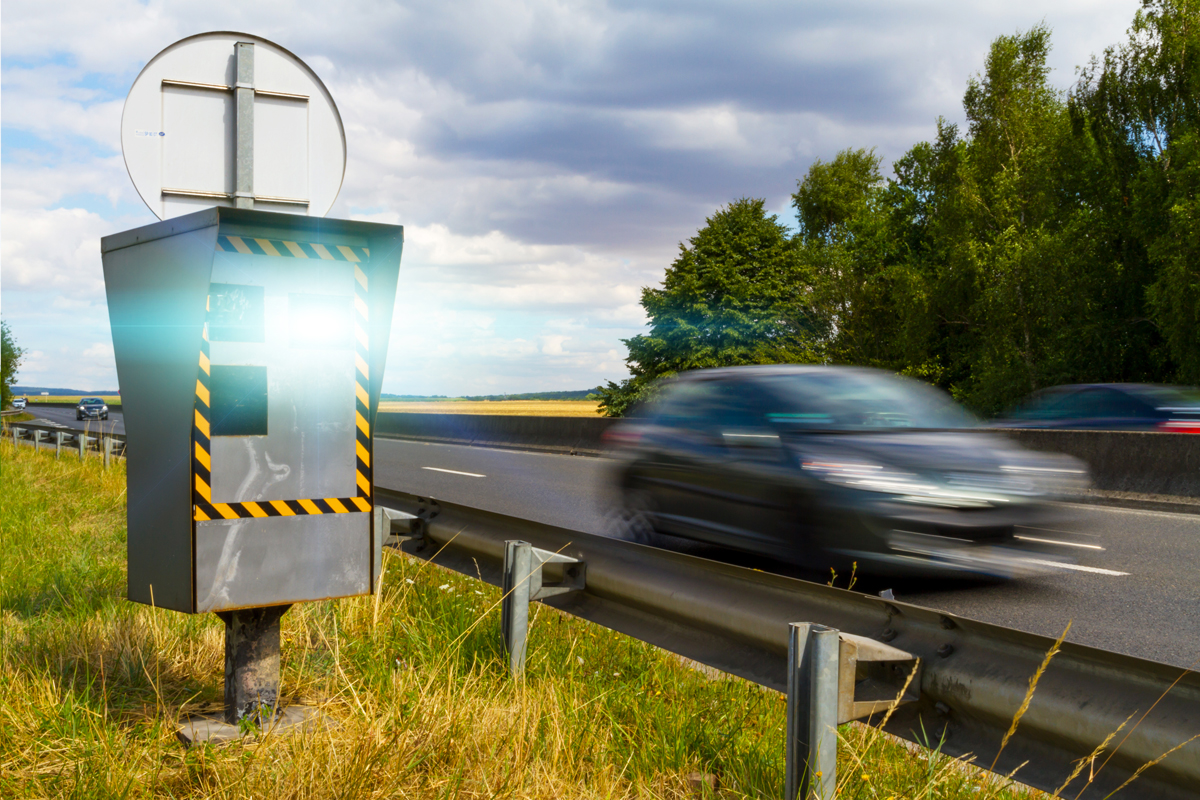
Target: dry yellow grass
{"type": "Point", "coordinates": [516, 408]}
{"type": "Point", "coordinates": [414, 682]}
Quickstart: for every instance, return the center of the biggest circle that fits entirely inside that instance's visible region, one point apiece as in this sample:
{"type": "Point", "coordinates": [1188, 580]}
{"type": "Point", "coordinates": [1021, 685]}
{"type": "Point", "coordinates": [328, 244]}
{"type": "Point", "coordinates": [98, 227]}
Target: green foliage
{"type": "Point", "coordinates": [736, 294]}
{"type": "Point", "coordinates": [10, 362]}
{"type": "Point", "coordinates": [834, 195]}
{"type": "Point", "coordinates": [1141, 103]}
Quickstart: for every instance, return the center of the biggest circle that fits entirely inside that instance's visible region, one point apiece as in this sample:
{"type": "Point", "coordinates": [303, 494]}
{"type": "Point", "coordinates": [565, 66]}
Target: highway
{"type": "Point", "coordinates": [1134, 588]}
{"type": "Point", "coordinates": [65, 418]}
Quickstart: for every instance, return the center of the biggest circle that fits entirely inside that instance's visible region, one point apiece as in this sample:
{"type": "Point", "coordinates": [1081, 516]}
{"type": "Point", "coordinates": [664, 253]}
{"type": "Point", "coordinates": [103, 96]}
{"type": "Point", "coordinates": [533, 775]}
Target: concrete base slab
{"type": "Point", "coordinates": [213, 729]}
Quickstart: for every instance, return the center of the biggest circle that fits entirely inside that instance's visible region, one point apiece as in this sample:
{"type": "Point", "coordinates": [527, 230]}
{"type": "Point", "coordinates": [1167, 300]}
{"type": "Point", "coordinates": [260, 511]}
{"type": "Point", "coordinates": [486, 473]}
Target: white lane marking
{"type": "Point", "coordinates": [1077, 567]}
{"type": "Point", "coordinates": [1055, 541]}
{"type": "Point", "coordinates": [455, 472]}
{"type": "Point", "coordinates": [1103, 509]}
{"type": "Point", "coordinates": [1058, 530]}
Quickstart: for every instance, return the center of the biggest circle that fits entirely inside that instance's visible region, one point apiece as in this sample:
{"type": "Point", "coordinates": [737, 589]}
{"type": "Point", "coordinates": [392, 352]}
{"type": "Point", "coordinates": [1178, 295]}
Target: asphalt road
{"type": "Point", "coordinates": [65, 418]}
{"type": "Point", "coordinates": [1135, 588]}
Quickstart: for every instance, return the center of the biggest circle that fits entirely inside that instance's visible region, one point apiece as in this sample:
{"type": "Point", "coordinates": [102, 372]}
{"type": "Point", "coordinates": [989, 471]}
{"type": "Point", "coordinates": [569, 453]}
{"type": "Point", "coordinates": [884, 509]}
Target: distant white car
{"type": "Point", "coordinates": [18, 403]}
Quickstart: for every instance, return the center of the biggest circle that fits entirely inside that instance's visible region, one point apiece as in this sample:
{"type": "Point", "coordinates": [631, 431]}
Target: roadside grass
{"type": "Point", "coordinates": [414, 680]}
{"type": "Point", "coordinates": [516, 408]}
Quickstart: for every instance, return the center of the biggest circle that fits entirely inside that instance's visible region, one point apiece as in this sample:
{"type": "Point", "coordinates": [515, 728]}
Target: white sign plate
{"type": "Point", "coordinates": [179, 129]}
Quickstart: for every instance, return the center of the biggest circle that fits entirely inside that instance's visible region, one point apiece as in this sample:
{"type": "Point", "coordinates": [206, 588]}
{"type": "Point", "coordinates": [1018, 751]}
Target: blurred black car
{"type": "Point", "coordinates": [91, 408]}
{"type": "Point", "coordinates": [1111, 407]}
{"type": "Point", "coordinates": [825, 466]}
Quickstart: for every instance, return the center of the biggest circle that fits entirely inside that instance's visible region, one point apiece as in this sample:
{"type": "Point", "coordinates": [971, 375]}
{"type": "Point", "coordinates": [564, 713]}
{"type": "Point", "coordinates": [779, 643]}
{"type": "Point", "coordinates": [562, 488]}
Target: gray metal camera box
{"type": "Point", "coordinates": [250, 350]}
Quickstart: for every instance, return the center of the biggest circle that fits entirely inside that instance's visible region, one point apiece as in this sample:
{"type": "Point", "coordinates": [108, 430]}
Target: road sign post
{"type": "Point", "coordinates": [250, 348]}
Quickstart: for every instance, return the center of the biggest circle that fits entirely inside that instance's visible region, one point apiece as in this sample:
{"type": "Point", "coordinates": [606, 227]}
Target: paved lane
{"type": "Point", "coordinates": [1151, 611]}
{"type": "Point", "coordinates": [65, 418]}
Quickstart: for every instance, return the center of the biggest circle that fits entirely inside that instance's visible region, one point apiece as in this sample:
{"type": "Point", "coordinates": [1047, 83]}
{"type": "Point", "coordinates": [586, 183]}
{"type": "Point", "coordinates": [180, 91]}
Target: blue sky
{"type": "Point", "coordinates": [546, 158]}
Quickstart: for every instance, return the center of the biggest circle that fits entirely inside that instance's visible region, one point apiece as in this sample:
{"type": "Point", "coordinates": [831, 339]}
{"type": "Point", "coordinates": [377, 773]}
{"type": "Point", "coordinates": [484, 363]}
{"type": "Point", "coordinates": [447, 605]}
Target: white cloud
{"type": "Point", "coordinates": [54, 250]}
{"type": "Point", "coordinates": [99, 350]}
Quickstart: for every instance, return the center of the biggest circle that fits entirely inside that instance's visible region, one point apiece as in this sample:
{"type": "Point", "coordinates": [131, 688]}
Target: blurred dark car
{"type": "Point", "coordinates": [826, 466]}
{"type": "Point", "coordinates": [1110, 407]}
{"type": "Point", "coordinates": [91, 408]}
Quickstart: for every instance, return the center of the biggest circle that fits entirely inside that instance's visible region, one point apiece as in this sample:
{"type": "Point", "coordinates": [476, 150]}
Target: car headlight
{"type": "Point", "coordinates": [906, 487]}
{"type": "Point", "coordinates": [1054, 474]}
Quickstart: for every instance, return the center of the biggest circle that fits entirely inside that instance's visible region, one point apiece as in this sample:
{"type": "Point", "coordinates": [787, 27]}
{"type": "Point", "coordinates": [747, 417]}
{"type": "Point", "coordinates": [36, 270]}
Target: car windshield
{"type": "Point", "coordinates": [1181, 397]}
{"type": "Point", "coordinates": [860, 400]}
{"type": "Point", "coordinates": [91, 401]}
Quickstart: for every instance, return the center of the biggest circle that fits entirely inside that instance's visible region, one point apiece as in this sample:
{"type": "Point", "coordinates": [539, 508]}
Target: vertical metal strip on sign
{"type": "Point", "coordinates": [243, 96]}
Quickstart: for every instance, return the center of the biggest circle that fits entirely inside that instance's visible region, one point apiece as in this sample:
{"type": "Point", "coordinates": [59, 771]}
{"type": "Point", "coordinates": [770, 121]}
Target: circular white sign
{"type": "Point", "coordinates": [189, 126]}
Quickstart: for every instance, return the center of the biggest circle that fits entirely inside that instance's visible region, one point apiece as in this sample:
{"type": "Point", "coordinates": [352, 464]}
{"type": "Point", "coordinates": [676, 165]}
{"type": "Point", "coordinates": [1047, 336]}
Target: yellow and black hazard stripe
{"type": "Point", "coordinates": [203, 506]}
{"type": "Point", "coordinates": [362, 406]}
{"type": "Point", "coordinates": [247, 245]}
{"type": "Point", "coordinates": [201, 445]}
{"type": "Point", "coordinates": [280, 508]}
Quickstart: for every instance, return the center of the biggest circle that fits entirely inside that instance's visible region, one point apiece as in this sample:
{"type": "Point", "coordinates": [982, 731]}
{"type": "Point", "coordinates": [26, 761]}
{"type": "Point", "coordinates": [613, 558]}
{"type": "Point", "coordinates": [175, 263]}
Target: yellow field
{"type": "Point", "coordinates": [110, 399]}
{"type": "Point", "coordinates": [516, 408]}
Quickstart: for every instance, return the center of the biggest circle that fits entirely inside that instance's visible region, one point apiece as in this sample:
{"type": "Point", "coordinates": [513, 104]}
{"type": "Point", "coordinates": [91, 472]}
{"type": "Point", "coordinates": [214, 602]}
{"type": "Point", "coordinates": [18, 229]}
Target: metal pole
{"type": "Point", "coordinates": [107, 440]}
{"type": "Point", "coordinates": [252, 664]}
{"type": "Point", "coordinates": [244, 101]}
{"type": "Point", "coordinates": [58, 437]}
{"type": "Point", "coordinates": [811, 733]}
{"type": "Point", "coordinates": [81, 439]}
{"type": "Point", "coordinates": [514, 608]}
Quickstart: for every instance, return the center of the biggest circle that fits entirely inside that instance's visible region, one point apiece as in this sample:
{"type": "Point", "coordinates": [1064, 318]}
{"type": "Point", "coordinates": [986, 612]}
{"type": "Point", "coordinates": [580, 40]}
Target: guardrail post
{"type": "Point", "coordinates": [16, 435]}
{"type": "Point", "coordinates": [382, 536]}
{"type": "Point", "coordinates": [37, 440]}
{"type": "Point", "coordinates": [522, 585]}
{"type": "Point", "coordinates": [106, 442]}
{"type": "Point", "coordinates": [812, 712]}
{"type": "Point", "coordinates": [514, 606]}
{"type": "Point", "coordinates": [81, 439]}
{"type": "Point", "coordinates": [58, 437]}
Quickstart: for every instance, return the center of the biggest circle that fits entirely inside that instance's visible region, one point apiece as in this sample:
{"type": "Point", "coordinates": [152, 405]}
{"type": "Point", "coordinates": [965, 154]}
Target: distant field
{"type": "Point", "coordinates": [110, 399]}
{"type": "Point", "coordinates": [516, 408]}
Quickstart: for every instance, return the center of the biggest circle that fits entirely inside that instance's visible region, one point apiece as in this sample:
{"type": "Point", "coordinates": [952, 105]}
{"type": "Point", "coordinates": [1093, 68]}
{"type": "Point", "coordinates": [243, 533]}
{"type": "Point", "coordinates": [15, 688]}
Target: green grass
{"type": "Point", "coordinates": [92, 687]}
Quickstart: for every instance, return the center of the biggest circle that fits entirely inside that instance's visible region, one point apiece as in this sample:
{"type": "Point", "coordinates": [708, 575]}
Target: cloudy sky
{"type": "Point", "coordinates": [545, 157]}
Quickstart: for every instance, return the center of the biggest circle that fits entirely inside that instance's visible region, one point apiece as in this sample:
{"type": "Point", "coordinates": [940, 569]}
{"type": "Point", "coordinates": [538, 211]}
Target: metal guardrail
{"type": "Point", "coordinates": [109, 445]}
{"type": "Point", "coordinates": [972, 680]}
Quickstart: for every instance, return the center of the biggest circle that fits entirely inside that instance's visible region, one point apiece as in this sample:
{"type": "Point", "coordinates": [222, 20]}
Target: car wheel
{"type": "Point", "coordinates": [79, 416]}
{"type": "Point", "coordinates": [636, 519]}
{"type": "Point", "coordinates": [105, 417]}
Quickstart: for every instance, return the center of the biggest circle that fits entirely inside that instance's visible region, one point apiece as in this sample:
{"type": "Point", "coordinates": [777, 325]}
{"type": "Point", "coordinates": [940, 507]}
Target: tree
{"type": "Point", "coordinates": [1141, 103]}
{"type": "Point", "coordinates": [736, 294]}
{"type": "Point", "coordinates": [11, 362]}
{"type": "Point", "coordinates": [833, 195]}
{"type": "Point", "coordinates": [864, 279]}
